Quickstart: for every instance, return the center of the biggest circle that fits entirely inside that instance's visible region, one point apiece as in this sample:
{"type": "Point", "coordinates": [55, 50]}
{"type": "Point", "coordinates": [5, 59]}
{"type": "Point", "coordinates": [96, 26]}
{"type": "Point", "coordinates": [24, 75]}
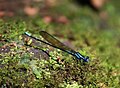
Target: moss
{"type": "Point", "coordinates": [20, 68]}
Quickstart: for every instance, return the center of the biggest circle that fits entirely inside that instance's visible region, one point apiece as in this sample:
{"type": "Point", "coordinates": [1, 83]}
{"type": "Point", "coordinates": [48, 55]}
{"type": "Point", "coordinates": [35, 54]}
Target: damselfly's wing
{"type": "Point", "coordinates": [49, 38]}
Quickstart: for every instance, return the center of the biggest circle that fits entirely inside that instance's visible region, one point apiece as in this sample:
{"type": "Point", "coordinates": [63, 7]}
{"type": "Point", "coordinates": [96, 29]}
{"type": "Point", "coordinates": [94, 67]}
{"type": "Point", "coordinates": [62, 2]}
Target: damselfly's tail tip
{"type": "Point", "coordinates": [26, 33]}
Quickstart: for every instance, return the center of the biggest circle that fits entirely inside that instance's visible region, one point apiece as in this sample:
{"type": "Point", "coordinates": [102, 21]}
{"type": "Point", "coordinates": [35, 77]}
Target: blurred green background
{"type": "Point", "coordinates": [92, 33]}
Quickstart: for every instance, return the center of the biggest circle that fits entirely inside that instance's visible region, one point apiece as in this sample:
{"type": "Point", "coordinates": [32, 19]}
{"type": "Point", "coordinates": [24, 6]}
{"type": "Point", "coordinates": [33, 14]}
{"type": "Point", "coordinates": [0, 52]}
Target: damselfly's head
{"type": "Point", "coordinates": [86, 59]}
{"type": "Point", "coordinates": [79, 56]}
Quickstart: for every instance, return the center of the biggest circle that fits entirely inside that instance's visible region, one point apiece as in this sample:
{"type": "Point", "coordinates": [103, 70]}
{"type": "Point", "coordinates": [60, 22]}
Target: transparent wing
{"type": "Point", "coordinates": [49, 38]}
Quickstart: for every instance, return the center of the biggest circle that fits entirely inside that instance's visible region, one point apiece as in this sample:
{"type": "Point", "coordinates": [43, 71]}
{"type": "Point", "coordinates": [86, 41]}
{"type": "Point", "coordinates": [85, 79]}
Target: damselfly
{"type": "Point", "coordinates": [52, 41]}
